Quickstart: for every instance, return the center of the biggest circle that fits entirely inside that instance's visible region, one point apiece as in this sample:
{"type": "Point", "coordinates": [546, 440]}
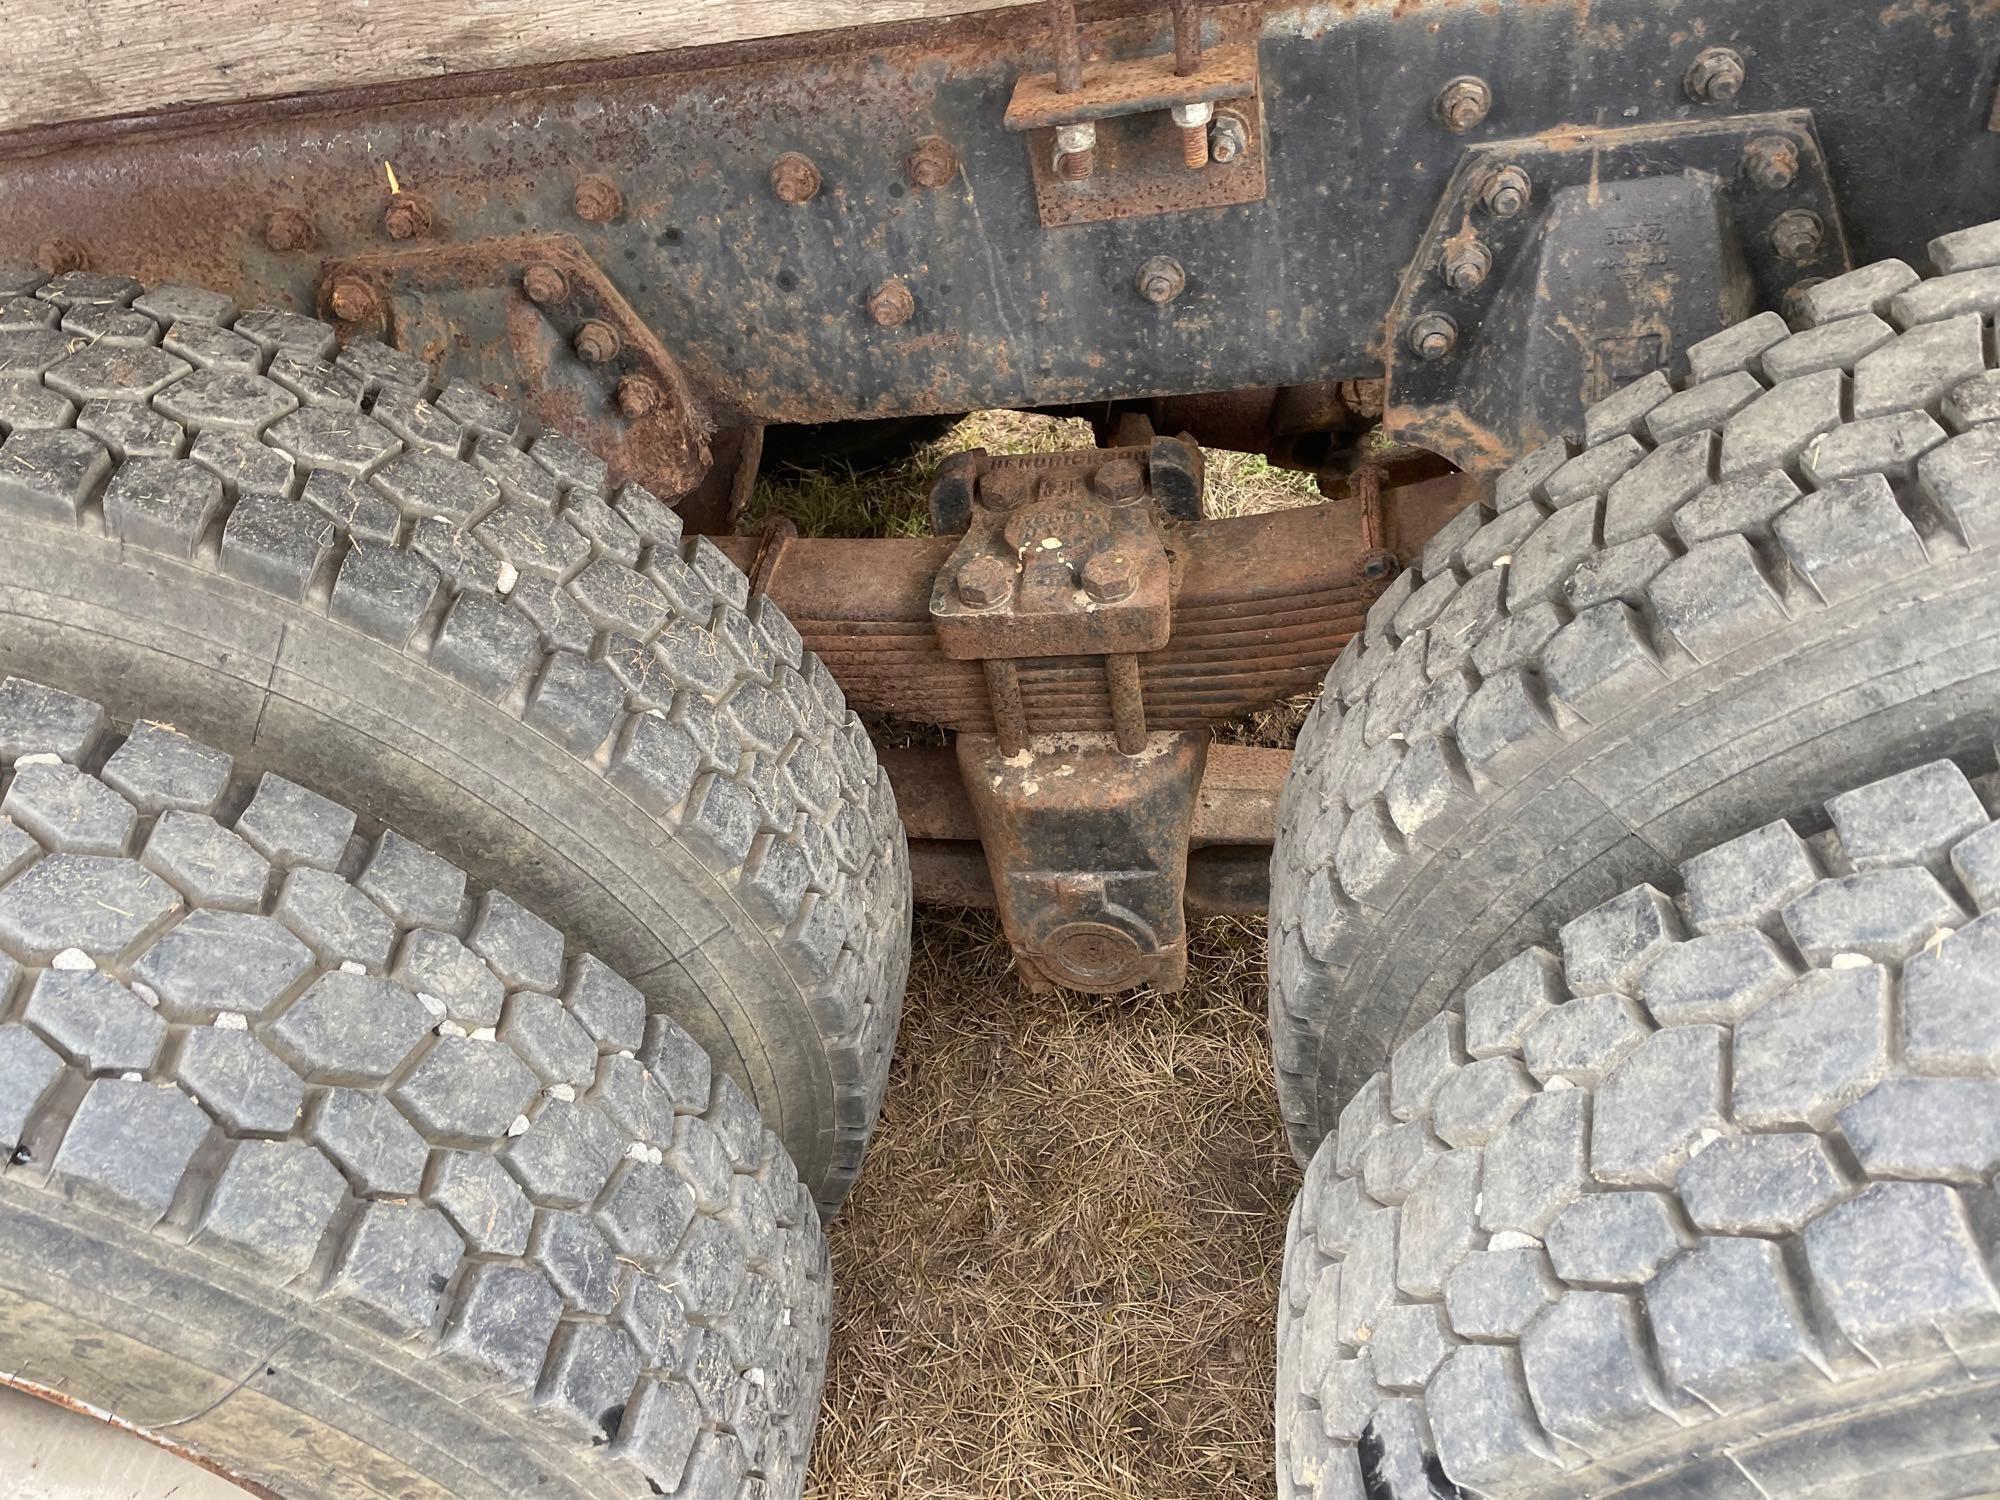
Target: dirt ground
{"type": "Point", "coordinates": [1058, 1278]}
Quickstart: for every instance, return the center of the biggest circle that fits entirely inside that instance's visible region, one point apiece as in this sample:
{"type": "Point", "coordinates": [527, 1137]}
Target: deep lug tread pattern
{"type": "Point", "coordinates": [433, 519]}
{"type": "Point", "coordinates": [1662, 1268]}
{"type": "Point", "coordinates": [1481, 766]}
{"type": "Point", "coordinates": [481, 1199]}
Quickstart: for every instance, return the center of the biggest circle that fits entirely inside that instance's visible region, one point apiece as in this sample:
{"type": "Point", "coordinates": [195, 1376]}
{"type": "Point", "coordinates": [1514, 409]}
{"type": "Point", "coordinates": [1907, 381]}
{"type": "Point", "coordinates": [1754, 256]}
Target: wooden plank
{"type": "Point", "coordinates": [78, 61]}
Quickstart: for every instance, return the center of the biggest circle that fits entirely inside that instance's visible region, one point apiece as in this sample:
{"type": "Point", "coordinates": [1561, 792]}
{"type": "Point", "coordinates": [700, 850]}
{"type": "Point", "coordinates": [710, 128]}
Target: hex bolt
{"type": "Point", "coordinates": [1433, 336]}
{"type": "Point", "coordinates": [1108, 577]}
{"type": "Point", "coordinates": [931, 163]}
{"type": "Point", "coordinates": [1076, 151]}
{"type": "Point", "coordinates": [1716, 76]}
{"type": "Point", "coordinates": [794, 178]}
{"type": "Point", "coordinates": [544, 284]}
{"type": "Point", "coordinates": [1467, 264]}
{"type": "Point", "coordinates": [1004, 489]}
{"type": "Point", "coordinates": [891, 304]}
{"type": "Point", "coordinates": [1506, 192]}
{"type": "Point", "coordinates": [1192, 121]}
{"type": "Point", "coordinates": [287, 229]}
{"type": "Point", "coordinates": [353, 300]}
{"type": "Point", "coordinates": [1379, 565]}
{"type": "Point", "coordinates": [1464, 103]}
{"type": "Point", "coordinates": [637, 395]}
{"type": "Point", "coordinates": [1119, 481]}
{"type": "Point", "coordinates": [1792, 307]}
{"type": "Point", "coordinates": [57, 256]}
{"type": "Point", "coordinates": [1228, 137]}
{"type": "Point", "coordinates": [1798, 235]}
{"type": "Point", "coordinates": [407, 217]}
{"type": "Point", "coordinates": [984, 582]}
{"type": "Point", "coordinates": [1160, 280]}
{"type": "Point", "coordinates": [597, 342]}
{"type": "Point", "coordinates": [1771, 162]}
{"type": "Point", "coordinates": [597, 199]}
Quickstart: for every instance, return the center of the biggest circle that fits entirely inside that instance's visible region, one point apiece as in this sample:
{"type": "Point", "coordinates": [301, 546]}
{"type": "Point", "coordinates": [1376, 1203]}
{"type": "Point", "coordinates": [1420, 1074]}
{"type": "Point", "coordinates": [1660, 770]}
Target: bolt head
{"type": "Point", "coordinates": [544, 284]}
{"type": "Point", "coordinates": [984, 582]}
{"type": "Point", "coordinates": [637, 395]}
{"type": "Point", "coordinates": [1467, 265]}
{"type": "Point", "coordinates": [1073, 139]}
{"type": "Point", "coordinates": [1161, 279]}
{"type": "Point", "coordinates": [1716, 76]}
{"type": "Point", "coordinates": [1464, 103]}
{"type": "Point", "coordinates": [352, 299]}
{"type": "Point", "coordinates": [1378, 566]}
{"type": "Point", "coordinates": [597, 342]}
{"type": "Point", "coordinates": [407, 217]}
{"type": "Point", "coordinates": [1433, 336]}
{"type": "Point", "coordinates": [932, 163]}
{"type": "Point", "coordinates": [597, 199]}
{"type": "Point", "coordinates": [1229, 137]}
{"type": "Point", "coordinates": [1771, 162]}
{"type": "Point", "coordinates": [288, 229]}
{"type": "Point", "coordinates": [1119, 481]}
{"type": "Point", "coordinates": [1506, 192]}
{"type": "Point", "coordinates": [1109, 577]}
{"type": "Point", "coordinates": [794, 178]}
{"type": "Point", "coordinates": [891, 304]}
{"type": "Point", "coordinates": [1798, 235]}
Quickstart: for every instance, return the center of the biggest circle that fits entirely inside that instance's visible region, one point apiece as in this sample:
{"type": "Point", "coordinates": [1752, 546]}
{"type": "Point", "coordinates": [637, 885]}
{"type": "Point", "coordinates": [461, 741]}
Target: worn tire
{"type": "Point", "coordinates": [334, 1169]}
{"type": "Point", "coordinates": [1781, 574]}
{"type": "Point", "coordinates": [1701, 1207]}
{"type": "Point", "coordinates": [404, 598]}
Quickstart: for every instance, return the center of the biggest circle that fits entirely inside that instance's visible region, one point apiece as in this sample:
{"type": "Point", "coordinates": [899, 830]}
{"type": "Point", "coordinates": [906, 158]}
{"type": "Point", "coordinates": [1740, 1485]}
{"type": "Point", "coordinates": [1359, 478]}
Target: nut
{"type": "Point", "coordinates": [891, 304]}
{"type": "Point", "coordinates": [1433, 336]}
{"type": "Point", "coordinates": [1792, 307]}
{"type": "Point", "coordinates": [407, 216]}
{"type": "Point", "coordinates": [1467, 264]}
{"type": "Point", "coordinates": [1119, 481]}
{"type": "Point", "coordinates": [931, 163]}
{"type": "Point", "coordinates": [637, 395]}
{"type": "Point", "coordinates": [984, 582]}
{"type": "Point", "coordinates": [58, 256]}
{"type": "Point", "coordinates": [1771, 162]}
{"type": "Point", "coordinates": [288, 229]}
{"type": "Point", "coordinates": [1109, 576]}
{"type": "Point", "coordinates": [1463, 103]}
{"type": "Point", "coordinates": [1716, 76]}
{"type": "Point", "coordinates": [1378, 566]}
{"type": "Point", "coordinates": [1798, 235]}
{"type": "Point", "coordinates": [544, 284]}
{"type": "Point", "coordinates": [597, 342]}
{"type": "Point", "coordinates": [597, 200]}
{"type": "Point", "coordinates": [1076, 151]}
{"type": "Point", "coordinates": [1506, 192]}
{"type": "Point", "coordinates": [794, 178]}
{"type": "Point", "coordinates": [1160, 280]}
{"type": "Point", "coordinates": [353, 300]}
{"type": "Point", "coordinates": [1005, 489]}
{"type": "Point", "coordinates": [1228, 137]}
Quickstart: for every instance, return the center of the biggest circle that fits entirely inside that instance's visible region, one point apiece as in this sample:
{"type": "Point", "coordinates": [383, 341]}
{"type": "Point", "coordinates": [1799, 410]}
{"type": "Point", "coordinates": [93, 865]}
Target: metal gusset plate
{"type": "Point", "coordinates": [1560, 267]}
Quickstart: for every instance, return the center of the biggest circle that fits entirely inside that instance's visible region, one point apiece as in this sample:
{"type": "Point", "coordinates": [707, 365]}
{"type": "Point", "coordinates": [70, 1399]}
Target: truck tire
{"type": "Point", "coordinates": [1782, 572]}
{"type": "Point", "coordinates": [405, 598]}
{"type": "Point", "coordinates": [1699, 1206]}
{"type": "Point", "coordinates": [330, 1167]}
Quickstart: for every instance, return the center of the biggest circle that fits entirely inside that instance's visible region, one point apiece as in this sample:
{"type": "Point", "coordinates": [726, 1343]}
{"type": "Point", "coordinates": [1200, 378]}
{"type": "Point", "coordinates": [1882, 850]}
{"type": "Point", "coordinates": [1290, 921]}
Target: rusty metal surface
{"type": "Point", "coordinates": [1264, 605]}
{"type": "Point", "coordinates": [1610, 266]}
{"type": "Point", "coordinates": [763, 302]}
{"type": "Point", "coordinates": [1130, 86]}
{"type": "Point", "coordinates": [1237, 803]}
{"type": "Point", "coordinates": [426, 297]}
{"type": "Point", "coordinates": [1223, 880]}
{"type": "Point", "coordinates": [1087, 846]}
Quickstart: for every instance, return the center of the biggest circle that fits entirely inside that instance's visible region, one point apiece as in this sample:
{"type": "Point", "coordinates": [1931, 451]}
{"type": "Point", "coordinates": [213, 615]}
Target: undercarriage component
{"type": "Point", "coordinates": [1560, 267]}
{"type": "Point", "coordinates": [1087, 843]}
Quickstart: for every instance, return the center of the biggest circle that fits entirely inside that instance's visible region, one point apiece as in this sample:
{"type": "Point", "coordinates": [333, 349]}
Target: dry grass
{"type": "Point", "coordinates": [1058, 1278]}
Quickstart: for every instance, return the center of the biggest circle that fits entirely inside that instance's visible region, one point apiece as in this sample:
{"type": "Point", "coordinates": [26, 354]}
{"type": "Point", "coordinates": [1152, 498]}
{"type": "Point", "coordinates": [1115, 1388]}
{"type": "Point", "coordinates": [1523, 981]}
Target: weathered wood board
{"type": "Point", "coordinates": [77, 61]}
